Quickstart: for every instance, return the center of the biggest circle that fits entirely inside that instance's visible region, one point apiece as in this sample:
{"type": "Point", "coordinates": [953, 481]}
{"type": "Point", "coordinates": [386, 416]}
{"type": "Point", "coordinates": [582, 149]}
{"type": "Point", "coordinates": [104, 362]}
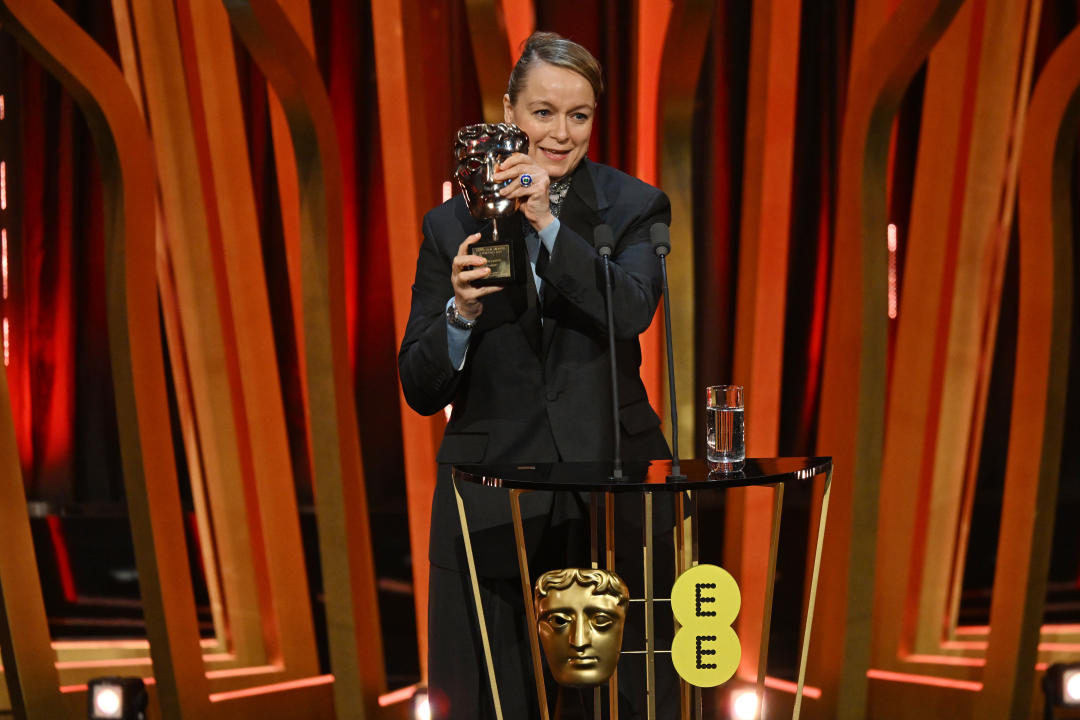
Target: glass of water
{"type": "Point", "coordinates": [725, 433]}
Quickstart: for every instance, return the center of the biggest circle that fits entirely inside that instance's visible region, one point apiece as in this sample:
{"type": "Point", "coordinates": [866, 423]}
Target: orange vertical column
{"type": "Point", "coordinates": [1047, 214]}
{"type": "Point", "coordinates": [404, 165]}
{"type": "Point", "coordinates": [851, 419]}
{"type": "Point", "coordinates": [651, 26]}
{"type": "Point", "coordinates": [680, 67]}
{"type": "Point", "coordinates": [129, 182]}
{"type": "Point", "coordinates": [348, 568]}
{"type": "Point", "coordinates": [762, 289]}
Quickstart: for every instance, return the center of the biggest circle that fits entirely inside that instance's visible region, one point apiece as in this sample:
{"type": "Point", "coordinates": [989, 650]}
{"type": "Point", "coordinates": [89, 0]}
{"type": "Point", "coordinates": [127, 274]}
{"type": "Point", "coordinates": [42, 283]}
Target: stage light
{"type": "Point", "coordinates": [1061, 686]}
{"type": "Point", "coordinates": [744, 705]}
{"type": "Point", "coordinates": [421, 707]}
{"type": "Point", "coordinates": [116, 697]}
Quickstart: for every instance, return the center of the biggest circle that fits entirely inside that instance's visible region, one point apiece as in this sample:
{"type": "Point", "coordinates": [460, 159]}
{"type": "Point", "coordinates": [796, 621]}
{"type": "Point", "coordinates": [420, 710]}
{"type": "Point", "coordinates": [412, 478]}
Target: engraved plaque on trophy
{"type": "Point", "coordinates": [478, 150]}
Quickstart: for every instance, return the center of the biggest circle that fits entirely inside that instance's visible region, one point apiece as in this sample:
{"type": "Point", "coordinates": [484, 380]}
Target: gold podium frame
{"type": "Point", "coordinates": [686, 533]}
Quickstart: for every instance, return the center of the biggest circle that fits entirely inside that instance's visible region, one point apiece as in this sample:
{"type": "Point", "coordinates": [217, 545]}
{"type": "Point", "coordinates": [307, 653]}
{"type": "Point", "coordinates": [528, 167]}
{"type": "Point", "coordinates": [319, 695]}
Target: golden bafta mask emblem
{"type": "Point", "coordinates": [580, 617]}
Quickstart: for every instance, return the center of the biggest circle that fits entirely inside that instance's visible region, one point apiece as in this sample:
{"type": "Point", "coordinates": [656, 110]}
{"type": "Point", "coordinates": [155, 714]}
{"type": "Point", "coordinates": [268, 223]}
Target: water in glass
{"type": "Point", "coordinates": [726, 438]}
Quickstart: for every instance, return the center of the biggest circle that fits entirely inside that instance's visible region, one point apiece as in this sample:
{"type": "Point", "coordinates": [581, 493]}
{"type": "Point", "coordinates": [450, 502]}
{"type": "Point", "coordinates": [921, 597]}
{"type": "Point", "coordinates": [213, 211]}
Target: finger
{"type": "Point", "coordinates": [467, 263]}
{"type": "Point", "coordinates": [464, 278]}
{"type": "Point", "coordinates": [464, 246]}
{"type": "Point", "coordinates": [513, 160]}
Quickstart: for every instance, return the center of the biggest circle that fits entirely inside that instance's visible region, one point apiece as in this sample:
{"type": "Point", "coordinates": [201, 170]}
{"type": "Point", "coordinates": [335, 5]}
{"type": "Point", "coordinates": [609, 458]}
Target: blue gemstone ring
{"type": "Point", "coordinates": [526, 180]}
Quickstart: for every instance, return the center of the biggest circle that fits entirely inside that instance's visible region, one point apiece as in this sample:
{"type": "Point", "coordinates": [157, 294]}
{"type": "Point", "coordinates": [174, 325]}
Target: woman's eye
{"type": "Point", "coordinates": [542, 113]}
{"type": "Point", "coordinates": [580, 117]}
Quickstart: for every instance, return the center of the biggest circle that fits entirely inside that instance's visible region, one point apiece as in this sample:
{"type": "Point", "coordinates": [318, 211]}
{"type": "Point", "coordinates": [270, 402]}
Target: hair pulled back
{"type": "Point", "coordinates": [554, 49]}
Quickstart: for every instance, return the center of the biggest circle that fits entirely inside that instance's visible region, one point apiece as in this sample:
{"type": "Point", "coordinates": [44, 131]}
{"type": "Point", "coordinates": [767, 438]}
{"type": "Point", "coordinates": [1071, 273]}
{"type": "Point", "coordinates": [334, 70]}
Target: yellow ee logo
{"type": "Point", "coordinates": [705, 600]}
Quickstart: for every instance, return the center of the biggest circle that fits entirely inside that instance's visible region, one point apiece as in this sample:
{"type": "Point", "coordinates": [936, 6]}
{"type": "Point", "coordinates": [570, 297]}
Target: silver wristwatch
{"type": "Point", "coordinates": [454, 318]}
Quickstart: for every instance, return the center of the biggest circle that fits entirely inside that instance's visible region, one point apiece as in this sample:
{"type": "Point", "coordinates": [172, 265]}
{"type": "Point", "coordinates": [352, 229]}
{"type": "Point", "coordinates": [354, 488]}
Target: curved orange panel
{"type": "Point", "coordinates": [356, 655]}
{"type": "Point", "coordinates": [684, 50]}
{"type": "Point", "coordinates": [1041, 377]}
{"type": "Point", "coordinates": [851, 419]}
{"type": "Point", "coordinates": [153, 498]}
{"type": "Point", "coordinates": [491, 50]}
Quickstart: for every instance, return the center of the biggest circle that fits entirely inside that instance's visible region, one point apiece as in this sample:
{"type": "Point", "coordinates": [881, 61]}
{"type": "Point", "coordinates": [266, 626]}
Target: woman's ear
{"type": "Point", "coordinates": [508, 109]}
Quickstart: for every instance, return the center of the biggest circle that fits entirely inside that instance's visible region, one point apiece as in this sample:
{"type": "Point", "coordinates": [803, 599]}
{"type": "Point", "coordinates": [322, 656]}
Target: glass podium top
{"type": "Point", "coordinates": [641, 476]}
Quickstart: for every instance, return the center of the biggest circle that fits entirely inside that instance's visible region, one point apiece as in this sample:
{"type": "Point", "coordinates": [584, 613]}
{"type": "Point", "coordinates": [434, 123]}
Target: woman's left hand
{"type": "Point", "coordinates": [534, 196]}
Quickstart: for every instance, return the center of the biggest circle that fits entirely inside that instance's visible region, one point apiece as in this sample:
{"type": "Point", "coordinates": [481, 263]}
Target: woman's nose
{"type": "Point", "coordinates": [561, 130]}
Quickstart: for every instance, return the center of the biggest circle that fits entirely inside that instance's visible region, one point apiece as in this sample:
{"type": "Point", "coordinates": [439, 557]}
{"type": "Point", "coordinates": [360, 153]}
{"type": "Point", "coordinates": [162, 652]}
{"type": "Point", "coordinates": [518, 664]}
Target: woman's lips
{"type": "Point", "coordinates": [555, 155]}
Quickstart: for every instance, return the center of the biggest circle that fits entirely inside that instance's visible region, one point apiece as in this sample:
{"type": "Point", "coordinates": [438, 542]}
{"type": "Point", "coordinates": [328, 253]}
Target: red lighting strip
{"type": "Point", "coordinates": [790, 687]}
{"type": "Point", "coordinates": [946, 660]}
{"type": "Point", "coordinates": [63, 559]}
{"type": "Point", "coordinates": [891, 239]}
{"type": "Point", "coordinates": [400, 695]}
{"type": "Point", "coordinates": [925, 680]}
{"type": "Point", "coordinates": [3, 185]}
{"type": "Point", "coordinates": [274, 688]}
{"type": "Point", "coordinates": [4, 259]}
{"type": "Point", "coordinates": [242, 671]}
{"type": "Point", "coordinates": [3, 113]}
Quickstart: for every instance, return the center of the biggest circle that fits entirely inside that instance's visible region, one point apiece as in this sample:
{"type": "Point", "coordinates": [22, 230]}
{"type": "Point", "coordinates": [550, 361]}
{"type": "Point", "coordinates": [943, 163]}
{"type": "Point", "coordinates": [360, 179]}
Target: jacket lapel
{"type": "Point", "coordinates": [580, 214]}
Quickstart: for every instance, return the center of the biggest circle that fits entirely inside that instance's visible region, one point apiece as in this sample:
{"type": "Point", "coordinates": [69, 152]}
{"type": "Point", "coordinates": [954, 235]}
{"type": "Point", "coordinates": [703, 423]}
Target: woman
{"type": "Point", "coordinates": [526, 366]}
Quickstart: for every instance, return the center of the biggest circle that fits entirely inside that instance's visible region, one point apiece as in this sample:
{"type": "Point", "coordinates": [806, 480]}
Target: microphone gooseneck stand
{"type": "Point", "coordinates": [661, 241]}
{"type": "Point", "coordinates": [604, 240]}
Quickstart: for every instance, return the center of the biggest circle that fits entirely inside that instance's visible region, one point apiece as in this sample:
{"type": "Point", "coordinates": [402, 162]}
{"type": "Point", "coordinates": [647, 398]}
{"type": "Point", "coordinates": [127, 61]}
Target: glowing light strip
{"type": "Point", "coordinates": [400, 695]}
{"type": "Point", "coordinates": [447, 191]}
{"type": "Point", "coordinates": [274, 688]}
{"type": "Point", "coordinates": [946, 660]}
{"type": "Point", "coordinates": [3, 185]}
{"type": "Point", "coordinates": [7, 344]}
{"type": "Point", "coordinates": [4, 259]}
{"type": "Point", "coordinates": [790, 687]}
{"type": "Point", "coordinates": [3, 113]}
{"type": "Point", "coordinates": [925, 680]}
{"type": "Point", "coordinates": [136, 662]}
{"type": "Point", "coordinates": [1044, 630]}
{"type": "Point", "coordinates": [242, 671]}
{"type": "Point", "coordinates": [892, 271]}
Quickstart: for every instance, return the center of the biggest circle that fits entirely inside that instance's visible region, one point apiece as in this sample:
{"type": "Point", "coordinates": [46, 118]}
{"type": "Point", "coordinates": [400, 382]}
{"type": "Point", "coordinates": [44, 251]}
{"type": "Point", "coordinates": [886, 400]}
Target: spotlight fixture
{"type": "Point", "coordinates": [1061, 686]}
{"type": "Point", "coordinates": [744, 705]}
{"type": "Point", "coordinates": [122, 698]}
{"type": "Point", "coordinates": [420, 704]}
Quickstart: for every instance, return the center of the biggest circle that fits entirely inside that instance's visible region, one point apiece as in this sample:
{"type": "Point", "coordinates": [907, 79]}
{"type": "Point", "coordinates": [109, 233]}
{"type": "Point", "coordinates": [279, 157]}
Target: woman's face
{"type": "Point", "coordinates": [555, 108]}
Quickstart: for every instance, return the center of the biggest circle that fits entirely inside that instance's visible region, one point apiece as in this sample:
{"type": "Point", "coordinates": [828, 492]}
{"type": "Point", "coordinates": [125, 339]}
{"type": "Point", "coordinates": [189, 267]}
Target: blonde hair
{"type": "Point", "coordinates": [554, 49]}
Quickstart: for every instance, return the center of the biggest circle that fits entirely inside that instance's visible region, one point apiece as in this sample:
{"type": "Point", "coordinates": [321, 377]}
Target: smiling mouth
{"type": "Point", "coordinates": [555, 154]}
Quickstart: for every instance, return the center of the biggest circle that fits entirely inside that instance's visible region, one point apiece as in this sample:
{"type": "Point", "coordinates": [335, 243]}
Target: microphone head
{"type": "Point", "coordinates": [603, 240]}
{"type": "Point", "coordinates": [661, 239]}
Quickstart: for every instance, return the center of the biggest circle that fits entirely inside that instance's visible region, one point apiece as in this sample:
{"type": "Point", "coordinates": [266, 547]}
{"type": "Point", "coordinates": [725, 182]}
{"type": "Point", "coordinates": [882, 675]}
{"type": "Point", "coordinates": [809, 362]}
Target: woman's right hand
{"type": "Point", "coordinates": [464, 269]}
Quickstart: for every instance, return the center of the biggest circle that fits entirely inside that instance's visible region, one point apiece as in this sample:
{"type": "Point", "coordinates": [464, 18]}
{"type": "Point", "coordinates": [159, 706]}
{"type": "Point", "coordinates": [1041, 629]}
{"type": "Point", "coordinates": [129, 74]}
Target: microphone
{"type": "Point", "coordinates": [604, 241]}
{"type": "Point", "coordinates": [661, 242]}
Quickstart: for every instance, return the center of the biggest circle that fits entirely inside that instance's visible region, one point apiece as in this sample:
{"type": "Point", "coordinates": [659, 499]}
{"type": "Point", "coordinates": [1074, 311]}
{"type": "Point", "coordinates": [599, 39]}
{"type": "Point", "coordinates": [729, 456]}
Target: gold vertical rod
{"type": "Point", "coordinates": [527, 596]}
{"type": "Point", "coordinates": [813, 594]}
{"type": "Point", "coordinates": [680, 568]}
{"type": "Point", "coordinates": [479, 606]}
{"type": "Point", "coordinates": [609, 558]}
{"type": "Point", "coordinates": [770, 586]}
{"type": "Point", "coordinates": [594, 558]}
{"type": "Point", "coordinates": [650, 640]}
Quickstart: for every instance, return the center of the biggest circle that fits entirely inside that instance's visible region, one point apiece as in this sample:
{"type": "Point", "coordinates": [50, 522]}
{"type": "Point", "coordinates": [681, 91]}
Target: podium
{"type": "Point", "coordinates": [646, 479]}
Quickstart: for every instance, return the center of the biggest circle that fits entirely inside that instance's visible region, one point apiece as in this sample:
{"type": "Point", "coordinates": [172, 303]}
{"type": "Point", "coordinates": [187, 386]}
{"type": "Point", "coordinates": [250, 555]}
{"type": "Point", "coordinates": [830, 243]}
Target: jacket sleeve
{"type": "Point", "coordinates": [427, 376]}
{"type": "Point", "coordinates": [576, 270]}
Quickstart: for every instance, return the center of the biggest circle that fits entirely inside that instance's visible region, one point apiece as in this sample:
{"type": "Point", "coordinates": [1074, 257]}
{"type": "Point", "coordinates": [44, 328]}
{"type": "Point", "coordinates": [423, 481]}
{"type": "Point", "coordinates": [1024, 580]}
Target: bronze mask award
{"type": "Point", "coordinates": [580, 616]}
{"type": "Point", "coordinates": [478, 149]}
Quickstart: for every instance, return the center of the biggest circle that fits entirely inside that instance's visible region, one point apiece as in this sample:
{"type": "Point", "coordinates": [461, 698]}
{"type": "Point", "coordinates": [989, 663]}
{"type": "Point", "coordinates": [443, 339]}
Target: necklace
{"type": "Point", "coordinates": [557, 194]}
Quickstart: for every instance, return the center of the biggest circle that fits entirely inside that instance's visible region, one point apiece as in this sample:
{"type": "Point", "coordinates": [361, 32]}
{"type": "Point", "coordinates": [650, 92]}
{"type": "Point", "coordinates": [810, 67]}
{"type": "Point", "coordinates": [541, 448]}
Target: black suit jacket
{"type": "Point", "coordinates": [528, 392]}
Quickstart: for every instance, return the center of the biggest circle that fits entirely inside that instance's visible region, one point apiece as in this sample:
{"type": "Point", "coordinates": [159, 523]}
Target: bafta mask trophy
{"type": "Point", "coordinates": [478, 149]}
{"type": "Point", "coordinates": [580, 617]}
